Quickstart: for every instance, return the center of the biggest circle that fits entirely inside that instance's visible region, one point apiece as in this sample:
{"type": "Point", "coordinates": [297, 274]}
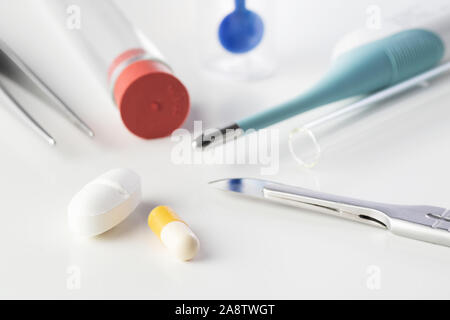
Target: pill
{"type": "Point", "coordinates": [174, 233]}
{"type": "Point", "coordinates": [104, 202]}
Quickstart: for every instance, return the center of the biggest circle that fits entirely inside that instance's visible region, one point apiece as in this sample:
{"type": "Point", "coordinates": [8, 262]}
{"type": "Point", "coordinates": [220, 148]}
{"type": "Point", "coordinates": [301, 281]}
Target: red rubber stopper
{"type": "Point", "coordinates": [152, 101]}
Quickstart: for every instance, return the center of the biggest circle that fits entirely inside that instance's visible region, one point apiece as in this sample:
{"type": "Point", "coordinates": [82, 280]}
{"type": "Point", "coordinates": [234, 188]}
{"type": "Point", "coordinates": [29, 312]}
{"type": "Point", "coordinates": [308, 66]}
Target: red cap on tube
{"type": "Point", "coordinates": [152, 101]}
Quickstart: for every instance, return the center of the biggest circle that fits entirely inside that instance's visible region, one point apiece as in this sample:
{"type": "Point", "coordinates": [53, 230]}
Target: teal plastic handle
{"type": "Point", "coordinates": [363, 70]}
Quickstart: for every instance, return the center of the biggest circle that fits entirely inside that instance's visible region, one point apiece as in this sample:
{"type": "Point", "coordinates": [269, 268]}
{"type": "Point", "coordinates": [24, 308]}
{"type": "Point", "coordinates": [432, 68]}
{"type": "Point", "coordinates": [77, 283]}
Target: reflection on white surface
{"type": "Point", "coordinates": [400, 156]}
{"type": "Point", "coordinates": [250, 67]}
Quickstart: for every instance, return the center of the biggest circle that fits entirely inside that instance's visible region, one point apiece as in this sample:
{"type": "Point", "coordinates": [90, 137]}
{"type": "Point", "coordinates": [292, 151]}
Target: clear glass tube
{"type": "Point", "coordinates": [151, 100]}
{"type": "Point", "coordinates": [100, 29]}
{"type": "Point", "coordinates": [309, 142]}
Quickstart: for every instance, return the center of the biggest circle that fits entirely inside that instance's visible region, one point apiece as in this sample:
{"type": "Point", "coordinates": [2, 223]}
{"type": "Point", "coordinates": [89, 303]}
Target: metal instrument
{"type": "Point", "coordinates": [8, 53]}
{"type": "Point", "coordinates": [426, 223]}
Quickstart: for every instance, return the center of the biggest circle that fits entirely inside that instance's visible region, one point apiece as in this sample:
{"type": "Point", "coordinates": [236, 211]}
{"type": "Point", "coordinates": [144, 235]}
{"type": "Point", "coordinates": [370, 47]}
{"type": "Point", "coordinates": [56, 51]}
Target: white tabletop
{"type": "Point", "coordinates": [249, 249]}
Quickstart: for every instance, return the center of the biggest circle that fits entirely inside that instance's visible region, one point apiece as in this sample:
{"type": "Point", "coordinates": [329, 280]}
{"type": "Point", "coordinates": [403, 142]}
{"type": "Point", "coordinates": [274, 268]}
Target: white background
{"type": "Point", "coordinates": [249, 249]}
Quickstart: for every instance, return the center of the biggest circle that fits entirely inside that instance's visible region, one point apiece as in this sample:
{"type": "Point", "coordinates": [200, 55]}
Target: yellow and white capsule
{"type": "Point", "coordinates": [173, 233]}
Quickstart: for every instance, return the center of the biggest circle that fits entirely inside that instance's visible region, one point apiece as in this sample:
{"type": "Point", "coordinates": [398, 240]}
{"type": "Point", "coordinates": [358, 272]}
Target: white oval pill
{"type": "Point", "coordinates": [104, 202]}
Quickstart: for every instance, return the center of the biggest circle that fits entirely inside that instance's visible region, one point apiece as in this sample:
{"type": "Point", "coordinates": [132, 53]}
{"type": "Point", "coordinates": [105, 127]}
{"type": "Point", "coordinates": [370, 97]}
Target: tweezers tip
{"type": "Point", "coordinates": [91, 134]}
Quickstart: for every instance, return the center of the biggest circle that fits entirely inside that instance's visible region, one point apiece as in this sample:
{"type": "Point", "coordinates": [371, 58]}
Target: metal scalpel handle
{"type": "Point", "coordinates": [426, 223]}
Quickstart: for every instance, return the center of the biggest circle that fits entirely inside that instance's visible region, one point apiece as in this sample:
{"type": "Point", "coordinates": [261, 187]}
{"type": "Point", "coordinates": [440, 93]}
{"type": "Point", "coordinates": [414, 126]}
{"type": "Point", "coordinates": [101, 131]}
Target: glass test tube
{"type": "Point", "coordinates": [151, 100]}
{"type": "Point", "coordinates": [309, 142]}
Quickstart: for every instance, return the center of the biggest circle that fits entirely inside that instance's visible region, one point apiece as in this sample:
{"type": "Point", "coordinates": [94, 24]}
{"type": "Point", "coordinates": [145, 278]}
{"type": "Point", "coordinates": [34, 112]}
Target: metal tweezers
{"type": "Point", "coordinates": [7, 52]}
